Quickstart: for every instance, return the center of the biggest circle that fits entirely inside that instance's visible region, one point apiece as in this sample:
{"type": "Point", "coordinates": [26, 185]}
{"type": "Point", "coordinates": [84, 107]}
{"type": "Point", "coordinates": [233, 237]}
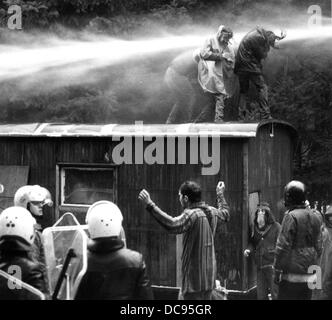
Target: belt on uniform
{"type": "Point", "coordinates": [299, 278]}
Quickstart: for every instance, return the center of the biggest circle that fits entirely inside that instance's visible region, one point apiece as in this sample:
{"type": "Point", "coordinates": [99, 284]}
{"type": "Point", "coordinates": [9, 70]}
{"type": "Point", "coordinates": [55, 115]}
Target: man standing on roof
{"type": "Point", "coordinates": [197, 223]}
{"type": "Point", "coordinates": [181, 80]}
{"type": "Point", "coordinates": [254, 48]}
{"type": "Point", "coordinates": [215, 70]}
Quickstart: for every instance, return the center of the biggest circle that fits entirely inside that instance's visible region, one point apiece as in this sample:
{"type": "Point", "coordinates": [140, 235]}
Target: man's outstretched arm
{"type": "Point", "coordinates": [179, 224]}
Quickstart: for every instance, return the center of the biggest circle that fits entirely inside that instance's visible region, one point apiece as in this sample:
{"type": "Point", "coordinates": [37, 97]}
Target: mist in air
{"type": "Point", "coordinates": [132, 69]}
{"type": "Point", "coordinates": [72, 58]}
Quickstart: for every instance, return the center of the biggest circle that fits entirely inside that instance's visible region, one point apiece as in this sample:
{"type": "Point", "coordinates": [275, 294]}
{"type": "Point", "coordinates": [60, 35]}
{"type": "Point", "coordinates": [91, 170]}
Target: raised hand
{"type": "Point", "coordinates": [144, 196]}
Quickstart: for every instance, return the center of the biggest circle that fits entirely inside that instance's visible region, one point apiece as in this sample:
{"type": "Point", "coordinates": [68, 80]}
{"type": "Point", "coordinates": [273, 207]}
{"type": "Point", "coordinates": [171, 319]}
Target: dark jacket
{"type": "Point", "coordinates": [114, 273]}
{"type": "Point", "coordinates": [38, 253]}
{"type": "Point", "coordinates": [38, 247]}
{"type": "Point", "coordinates": [252, 49]}
{"type": "Point", "coordinates": [263, 242]}
{"type": "Point", "coordinates": [16, 253]}
{"type": "Point", "coordinates": [299, 244]}
{"type": "Point", "coordinates": [326, 264]}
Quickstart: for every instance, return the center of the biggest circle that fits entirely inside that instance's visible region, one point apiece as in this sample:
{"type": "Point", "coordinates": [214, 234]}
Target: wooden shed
{"type": "Point", "coordinates": [81, 164]}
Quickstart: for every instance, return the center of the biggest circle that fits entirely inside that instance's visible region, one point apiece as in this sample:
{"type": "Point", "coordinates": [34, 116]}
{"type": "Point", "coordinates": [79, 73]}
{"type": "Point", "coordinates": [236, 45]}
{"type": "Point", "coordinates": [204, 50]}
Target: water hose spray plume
{"type": "Point", "coordinates": [18, 61]}
{"type": "Point", "coordinates": [72, 58]}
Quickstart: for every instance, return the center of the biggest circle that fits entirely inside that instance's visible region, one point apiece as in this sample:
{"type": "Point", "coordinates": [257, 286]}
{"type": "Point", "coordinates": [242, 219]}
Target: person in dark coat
{"type": "Point", "coordinates": [181, 79]}
{"type": "Point", "coordinates": [299, 245]}
{"type": "Point", "coordinates": [197, 223]}
{"type": "Point", "coordinates": [16, 239]}
{"type": "Point", "coordinates": [253, 48]}
{"type": "Point", "coordinates": [326, 258]}
{"type": "Point", "coordinates": [34, 198]}
{"type": "Point", "coordinates": [114, 272]}
{"type": "Point", "coordinates": [262, 244]}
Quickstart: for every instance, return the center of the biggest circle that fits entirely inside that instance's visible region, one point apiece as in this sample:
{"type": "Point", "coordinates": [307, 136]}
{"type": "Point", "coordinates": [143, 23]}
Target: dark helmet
{"type": "Point", "coordinates": [327, 215]}
{"type": "Point", "coordinates": [328, 210]}
{"type": "Point", "coordinates": [294, 193]}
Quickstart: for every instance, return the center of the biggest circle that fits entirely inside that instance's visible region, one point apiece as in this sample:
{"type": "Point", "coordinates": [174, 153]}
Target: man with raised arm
{"type": "Point", "coordinates": [197, 223]}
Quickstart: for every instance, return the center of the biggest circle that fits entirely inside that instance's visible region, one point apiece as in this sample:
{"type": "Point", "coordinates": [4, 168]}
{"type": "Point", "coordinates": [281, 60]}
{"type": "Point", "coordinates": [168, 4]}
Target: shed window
{"type": "Point", "coordinates": [82, 186]}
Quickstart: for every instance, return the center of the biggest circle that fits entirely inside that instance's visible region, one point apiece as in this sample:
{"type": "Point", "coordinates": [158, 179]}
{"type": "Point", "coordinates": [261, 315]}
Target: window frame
{"type": "Point", "coordinates": [60, 207]}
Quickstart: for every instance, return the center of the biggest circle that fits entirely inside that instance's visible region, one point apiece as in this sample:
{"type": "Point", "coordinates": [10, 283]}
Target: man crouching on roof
{"type": "Point", "coordinates": [198, 223]}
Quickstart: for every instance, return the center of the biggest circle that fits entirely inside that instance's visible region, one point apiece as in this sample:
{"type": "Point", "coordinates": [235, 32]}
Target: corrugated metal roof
{"type": "Point", "coordinates": [226, 129]}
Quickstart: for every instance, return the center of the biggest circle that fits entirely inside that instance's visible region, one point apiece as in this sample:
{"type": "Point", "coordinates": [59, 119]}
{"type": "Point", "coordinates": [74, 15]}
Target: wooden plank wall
{"type": "Point", "coordinates": [12, 177]}
{"type": "Point", "coordinates": [143, 232]}
{"type": "Point", "coordinates": [270, 164]}
{"type": "Point", "coordinates": [163, 181]}
{"type": "Point", "coordinates": [270, 168]}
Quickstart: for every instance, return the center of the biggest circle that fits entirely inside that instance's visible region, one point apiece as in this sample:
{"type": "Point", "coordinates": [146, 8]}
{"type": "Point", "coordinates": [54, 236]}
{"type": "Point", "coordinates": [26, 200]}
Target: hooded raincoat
{"type": "Point", "coordinates": [215, 66]}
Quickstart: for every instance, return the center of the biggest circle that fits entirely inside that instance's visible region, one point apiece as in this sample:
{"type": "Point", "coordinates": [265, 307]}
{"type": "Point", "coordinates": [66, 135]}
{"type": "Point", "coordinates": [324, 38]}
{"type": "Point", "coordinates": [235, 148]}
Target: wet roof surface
{"type": "Point", "coordinates": [226, 129]}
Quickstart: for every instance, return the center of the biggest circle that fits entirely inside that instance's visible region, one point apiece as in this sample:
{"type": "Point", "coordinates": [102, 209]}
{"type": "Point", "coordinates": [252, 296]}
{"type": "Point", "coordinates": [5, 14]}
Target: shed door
{"type": "Point", "coordinates": [253, 202]}
{"type": "Point", "coordinates": [12, 178]}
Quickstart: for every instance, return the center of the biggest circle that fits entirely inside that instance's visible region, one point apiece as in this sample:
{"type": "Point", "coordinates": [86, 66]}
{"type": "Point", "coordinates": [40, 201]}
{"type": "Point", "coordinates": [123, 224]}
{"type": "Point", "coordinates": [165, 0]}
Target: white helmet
{"type": "Point", "coordinates": [28, 193]}
{"type": "Point", "coordinates": [47, 197]}
{"type": "Point", "coordinates": [17, 222]}
{"type": "Point", "coordinates": [104, 219]}
{"type": "Point", "coordinates": [21, 197]}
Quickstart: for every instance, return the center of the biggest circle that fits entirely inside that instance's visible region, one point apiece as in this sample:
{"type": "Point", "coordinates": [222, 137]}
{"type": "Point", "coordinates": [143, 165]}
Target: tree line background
{"type": "Point", "coordinates": [299, 76]}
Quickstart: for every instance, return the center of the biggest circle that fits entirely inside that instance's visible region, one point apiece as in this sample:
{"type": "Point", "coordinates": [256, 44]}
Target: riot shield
{"type": "Point", "coordinates": [64, 270]}
{"type": "Point", "coordinates": [12, 288]}
{"type": "Point", "coordinates": [67, 219]}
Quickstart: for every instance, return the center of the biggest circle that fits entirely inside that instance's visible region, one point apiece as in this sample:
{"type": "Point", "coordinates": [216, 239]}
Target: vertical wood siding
{"type": "Point", "coordinates": [269, 167]}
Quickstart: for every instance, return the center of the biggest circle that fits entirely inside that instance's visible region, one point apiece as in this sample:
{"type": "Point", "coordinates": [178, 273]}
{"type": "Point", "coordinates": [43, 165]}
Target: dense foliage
{"type": "Point", "coordinates": [302, 95]}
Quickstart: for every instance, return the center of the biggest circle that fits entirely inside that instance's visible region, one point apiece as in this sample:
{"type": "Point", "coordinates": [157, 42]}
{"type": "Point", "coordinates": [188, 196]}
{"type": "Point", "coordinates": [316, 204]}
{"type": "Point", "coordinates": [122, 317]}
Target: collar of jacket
{"type": "Point", "coordinates": [12, 245]}
{"type": "Point", "coordinates": [200, 204]}
{"type": "Point", "coordinates": [301, 206]}
{"type": "Point", "coordinates": [262, 31]}
{"type": "Point", "coordinates": [264, 231]}
{"type": "Point", "coordinates": [103, 245]}
{"type": "Point", "coordinates": [38, 227]}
